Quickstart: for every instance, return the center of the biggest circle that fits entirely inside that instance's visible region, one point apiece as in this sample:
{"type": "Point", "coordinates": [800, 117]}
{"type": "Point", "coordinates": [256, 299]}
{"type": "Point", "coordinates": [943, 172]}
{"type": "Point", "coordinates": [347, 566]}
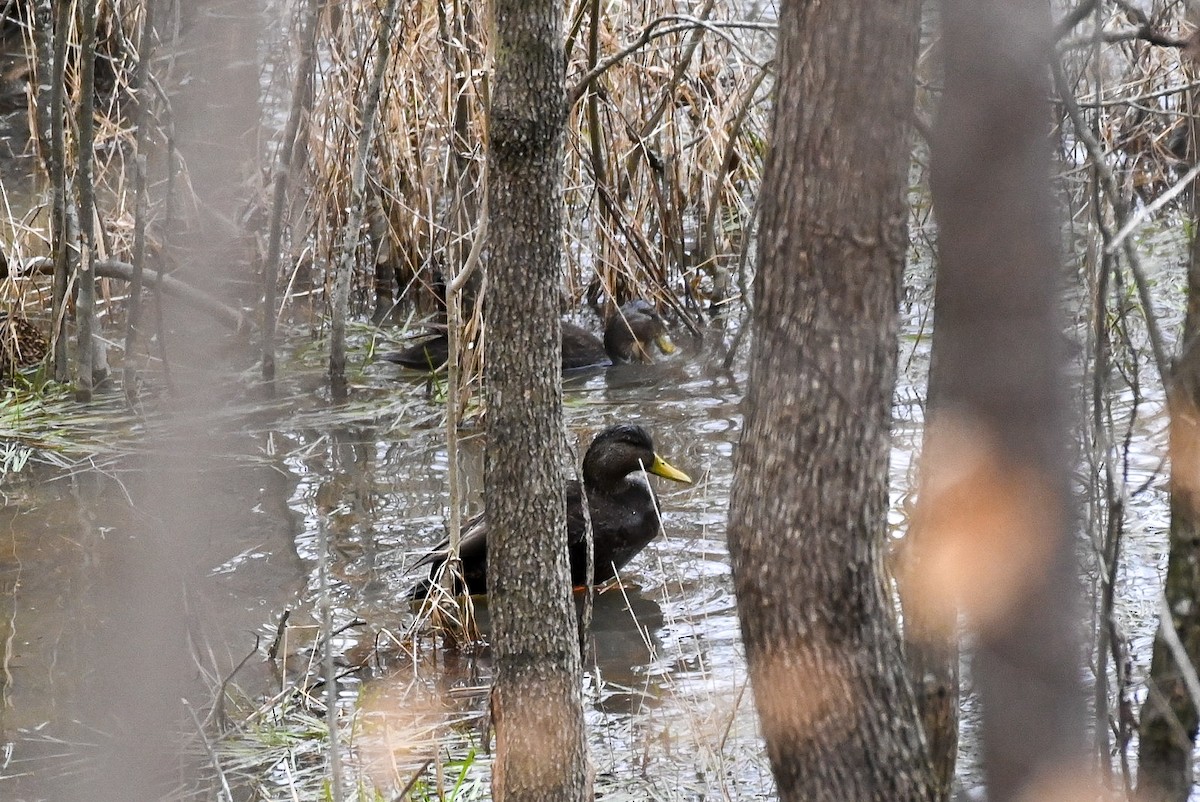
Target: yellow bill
{"type": "Point", "coordinates": [660, 467]}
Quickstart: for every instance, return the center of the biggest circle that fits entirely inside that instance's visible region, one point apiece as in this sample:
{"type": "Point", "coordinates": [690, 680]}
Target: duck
{"type": "Point", "coordinates": [621, 503]}
{"type": "Point", "coordinates": [627, 338]}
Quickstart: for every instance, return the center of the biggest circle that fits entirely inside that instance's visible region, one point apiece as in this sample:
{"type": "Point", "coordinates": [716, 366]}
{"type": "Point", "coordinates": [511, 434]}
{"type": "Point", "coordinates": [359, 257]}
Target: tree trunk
{"type": "Point", "coordinates": [340, 303]}
{"type": "Point", "coordinates": [537, 704]}
{"type": "Point", "coordinates": [931, 633]}
{"type": "Point", "coordinates": [300, 102]}
{"type": "Point", "coordinates": [995, 494]}
{"type": "Point", "coordinates": [1167, 729]}
{"type": "Point", "coordinates": [142, 94]}
{"type": "Point", "coordinates": [215, 115]}
{"type": "Point", "coordinates": [85, 300]}
{"type": "Point", "coordinates": [63, 231]}
{"type": "Point", "coordinates": [810, 496]}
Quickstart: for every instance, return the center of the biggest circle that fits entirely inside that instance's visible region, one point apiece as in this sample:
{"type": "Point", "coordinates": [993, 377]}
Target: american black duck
{"type": "Point", "coordinates": [627, 338]}
{"type": "Point", "coordinates": [623, 507]}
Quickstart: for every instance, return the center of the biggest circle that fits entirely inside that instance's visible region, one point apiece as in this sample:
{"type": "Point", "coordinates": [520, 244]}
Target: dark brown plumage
{"type": "Point", "coordinates": [627, 338]}
{"type": "Point", "coordinates": [623, 508]}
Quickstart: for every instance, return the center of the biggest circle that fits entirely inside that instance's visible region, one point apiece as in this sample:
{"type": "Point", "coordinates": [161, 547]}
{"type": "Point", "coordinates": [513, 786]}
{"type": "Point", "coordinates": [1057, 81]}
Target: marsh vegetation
{"type": "Point", "coordinates": [217, 490]}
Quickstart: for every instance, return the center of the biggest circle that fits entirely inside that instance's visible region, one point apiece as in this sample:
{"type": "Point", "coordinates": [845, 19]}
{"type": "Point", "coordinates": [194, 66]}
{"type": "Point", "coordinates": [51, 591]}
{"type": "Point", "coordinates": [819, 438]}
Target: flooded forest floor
{"type": "Point", "coordinates": [189, 546]}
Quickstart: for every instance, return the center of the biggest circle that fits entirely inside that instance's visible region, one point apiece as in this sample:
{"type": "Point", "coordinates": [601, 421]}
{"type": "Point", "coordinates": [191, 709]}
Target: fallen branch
{"type": "Point", "coordinates": [112, 268]}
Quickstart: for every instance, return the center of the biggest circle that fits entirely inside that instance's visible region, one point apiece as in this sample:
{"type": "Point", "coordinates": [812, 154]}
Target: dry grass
{"type": "Point", "coordinates": [656, 190]}
{"type": "Point", "coordinates": [660, 160]}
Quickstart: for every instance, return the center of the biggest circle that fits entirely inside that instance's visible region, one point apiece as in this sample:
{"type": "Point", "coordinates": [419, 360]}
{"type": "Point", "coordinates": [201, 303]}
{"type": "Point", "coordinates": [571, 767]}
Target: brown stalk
{"type": "Point", "coordinates": [283, 171]}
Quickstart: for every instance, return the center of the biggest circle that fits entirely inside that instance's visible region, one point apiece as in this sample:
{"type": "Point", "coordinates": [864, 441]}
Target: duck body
{"type": "Point", "coordinates": [428, 354]}
{"type": "Point", "coordinates": [622, 506]}
{"type": "Point", "coordinates": [581, 348]}
{"type": "Point", "coordinates": [623, 523]}
{"type": "Point", "coordinates": [627, 338]}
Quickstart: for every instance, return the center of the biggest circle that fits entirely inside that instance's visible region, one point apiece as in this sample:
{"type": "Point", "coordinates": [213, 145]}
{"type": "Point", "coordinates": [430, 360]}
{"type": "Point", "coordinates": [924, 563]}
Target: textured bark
{"type": "Point", "coordinates": [536, 699]}
{"type": "Point", "coordinates": [62, 216]}
{"type": "Point", "coordinates": [1002, 361]}
{"type": "Point", "coordinates": [810, 494]}
{"type": "Point", "coordinates": [1168, 722]}
{"type": "Point", "coordinates": [85, 298]}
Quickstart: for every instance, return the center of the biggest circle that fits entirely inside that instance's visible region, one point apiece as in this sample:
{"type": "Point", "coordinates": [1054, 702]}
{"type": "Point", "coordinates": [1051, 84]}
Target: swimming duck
{"type": "Point", "coordinates": [623, 508]}
{"type": "Point", "coordinates": [627, 338]}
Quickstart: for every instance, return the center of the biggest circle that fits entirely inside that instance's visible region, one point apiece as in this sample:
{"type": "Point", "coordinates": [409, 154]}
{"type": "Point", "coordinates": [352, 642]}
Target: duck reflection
{"type": "Point", "coordinates": [623, 641]}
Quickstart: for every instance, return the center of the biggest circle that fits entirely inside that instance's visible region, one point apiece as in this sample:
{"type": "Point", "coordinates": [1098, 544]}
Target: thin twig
{"type": "Point", "coordinates": [1187, 671]}
{"type": "Point", "coordinates": [208, 749]}
{"type": "Point", "coordinates": [1144, 213]}
{"type": "Point", "coordinates": [331, 684]}
{"type": "Point", "coordinates": [1121, 211]}
{"type": "Point", "coordinates": [652, 31]}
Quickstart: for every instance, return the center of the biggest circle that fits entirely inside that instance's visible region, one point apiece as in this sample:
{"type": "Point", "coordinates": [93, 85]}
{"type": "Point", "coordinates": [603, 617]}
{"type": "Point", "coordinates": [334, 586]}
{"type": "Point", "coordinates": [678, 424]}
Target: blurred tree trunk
{"type": "Point", "coordinates": [995, 500]}
{"type": "Point", "coordinates": [139, 665]}
{"type": "Point", "coordinates": [1167, 729]}
{"type": "Point", "coordinates": [537, 704]}
{"type": "Point", "coordinates": [810, 497]}
{"type": "Point", "coordinates": [215, 111]}
{"type": "Point", "coordinates": [931, 634]}
{"type": "Point", "coordinates": [309, 16]}
{"type": "Point", "coordinates": [217, 107]}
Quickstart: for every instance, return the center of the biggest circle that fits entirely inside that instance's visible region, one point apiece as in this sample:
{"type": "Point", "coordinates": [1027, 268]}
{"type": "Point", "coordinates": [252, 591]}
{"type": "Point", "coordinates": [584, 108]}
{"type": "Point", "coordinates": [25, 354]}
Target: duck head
{"type": "Point", "coordinates": [621, 450]}
{"type": "Point", "coordinates": [629, 333]}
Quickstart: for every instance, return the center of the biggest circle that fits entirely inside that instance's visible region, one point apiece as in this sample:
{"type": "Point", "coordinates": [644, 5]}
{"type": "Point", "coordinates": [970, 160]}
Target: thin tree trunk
{"type": "Point", "coordinates": [358, 180]}
{"type": "Point", "coordinates": [283, 172]}
{"type": "Point", "coordinates": [85, 302]}
{"type": "Point", "coordinates": [172, 167]}
{"type": "Point", "coordinates": [808, 510]}
{"type": "Point", "coordinates": [931, 636]}
{"type": "Point", "coordinates": [142, 90]}
{"type": "Point", "coordinates": [995, 493]}
{"type": "Point", "coordinates": [537, 703]}
{"type": "Point", "coordinates": [62, 230]}
{"type": "Point", "coordinates": [43, 84]}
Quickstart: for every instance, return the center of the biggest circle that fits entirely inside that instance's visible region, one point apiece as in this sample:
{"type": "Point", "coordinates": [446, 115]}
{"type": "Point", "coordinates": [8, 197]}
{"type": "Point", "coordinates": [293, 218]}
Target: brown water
{"type": "Point", "coordinates": [665, 680]}
{"type": "Point", "coordinates": [668, 711]}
